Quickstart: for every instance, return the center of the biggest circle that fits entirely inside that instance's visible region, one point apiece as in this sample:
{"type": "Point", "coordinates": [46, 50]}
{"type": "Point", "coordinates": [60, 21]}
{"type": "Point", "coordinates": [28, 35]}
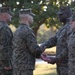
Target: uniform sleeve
{"type": "Point", "coordinates": [5, 43]}
{"type": "Point", "coordinates": [33, 46]}
{"type": "Point", "coordinates": [50, 43]}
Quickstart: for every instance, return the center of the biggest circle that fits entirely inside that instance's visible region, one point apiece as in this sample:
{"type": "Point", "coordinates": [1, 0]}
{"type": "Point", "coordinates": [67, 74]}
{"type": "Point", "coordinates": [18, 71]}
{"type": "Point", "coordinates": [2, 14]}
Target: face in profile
{"type": "Point", "coordinates": [72, 23]}
{"type": "Point", "coordinates": [62, 17]}
{"type": "Point", "coordinates": [30, 19]}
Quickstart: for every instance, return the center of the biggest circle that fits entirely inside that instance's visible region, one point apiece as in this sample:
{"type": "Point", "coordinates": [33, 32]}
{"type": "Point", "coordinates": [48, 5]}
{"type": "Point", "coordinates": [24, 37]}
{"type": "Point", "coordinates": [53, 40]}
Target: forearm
{"type": "Point", "coordinates": [6, 58]}
{"type": "Point", "coordinates": [5, 45]}
{"type": "Point", "coordinates": [34, 48]}
{"type": "Point", "coordinates": [50, 43]}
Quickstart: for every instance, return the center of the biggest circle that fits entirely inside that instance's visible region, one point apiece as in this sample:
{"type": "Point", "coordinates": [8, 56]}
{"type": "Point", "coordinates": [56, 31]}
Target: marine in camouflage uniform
{"type": "Point", "coordinates": [25, 48]}
{"type": "Point", "coordinates": [71, 47]}
{"type": "Point", "coordinates": [59, 40]}
{"type": "Point", "coordinates": [5, 43]}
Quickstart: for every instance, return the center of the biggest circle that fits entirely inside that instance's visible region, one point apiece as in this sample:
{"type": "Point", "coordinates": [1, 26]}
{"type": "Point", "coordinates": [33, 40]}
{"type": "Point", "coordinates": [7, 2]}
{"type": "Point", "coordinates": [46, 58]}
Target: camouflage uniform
{"type": "Point", "coordinates": [25, 49]}
{"type": "Point", "coordinates": [71, 47]}
{"type": "Point", "coordinates": [59, 40]}
{"type": "Point", "coordinates": [5, 47]}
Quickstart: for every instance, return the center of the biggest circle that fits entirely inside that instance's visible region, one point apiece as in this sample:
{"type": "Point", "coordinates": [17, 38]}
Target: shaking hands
{"type": "Point", "coordinates": [49, 59]}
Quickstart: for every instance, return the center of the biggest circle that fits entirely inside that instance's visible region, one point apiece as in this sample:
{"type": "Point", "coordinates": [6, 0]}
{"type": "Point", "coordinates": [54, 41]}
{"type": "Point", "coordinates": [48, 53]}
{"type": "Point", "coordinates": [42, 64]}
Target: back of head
{"type": "Point", "coordinates": [26, 16]}
{"type": "Point", "coordinates": [26, 11]}
{"type": "Point", "coordinates": [6, 10]}
{"type": "Point", "coordinates": [65, 9]}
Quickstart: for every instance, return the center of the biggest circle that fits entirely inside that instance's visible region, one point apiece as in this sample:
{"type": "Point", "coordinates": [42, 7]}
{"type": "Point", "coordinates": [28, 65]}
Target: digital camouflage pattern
{"type": "Point", "coordinates": [5, 46]}
{"type": "Point", "coordinates": [71, 46]}
{"type": "Point", "coordinates": [59, 40]}
{"type": "Point", "coordinates": [23, 72]}
{"type": "Point", "coordinates": [25, 49]}
{"type": "Point", "coordinates": [62, 70]}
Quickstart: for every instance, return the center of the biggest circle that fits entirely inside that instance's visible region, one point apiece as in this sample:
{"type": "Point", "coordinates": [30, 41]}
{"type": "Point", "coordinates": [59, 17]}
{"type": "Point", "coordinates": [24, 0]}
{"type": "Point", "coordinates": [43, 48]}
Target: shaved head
{"type": "Point", "coordinates": [26, 17]}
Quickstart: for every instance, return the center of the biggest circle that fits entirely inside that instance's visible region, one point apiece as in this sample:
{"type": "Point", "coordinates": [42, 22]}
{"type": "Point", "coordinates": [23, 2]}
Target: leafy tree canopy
{"type": "Point", "coordinates": [45, 11]}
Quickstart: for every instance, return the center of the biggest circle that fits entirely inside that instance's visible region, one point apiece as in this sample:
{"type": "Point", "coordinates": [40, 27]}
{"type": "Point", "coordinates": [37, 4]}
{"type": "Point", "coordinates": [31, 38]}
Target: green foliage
{"type": "Point", "coordinates": [45, 10]}
{"type": "Point", "coordinates": [45, 33]}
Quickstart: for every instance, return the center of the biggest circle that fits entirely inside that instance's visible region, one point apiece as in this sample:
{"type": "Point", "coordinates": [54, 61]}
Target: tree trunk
{"type": "Point", "coordinates": [35, 30]}
{"type": "Point", "coordinates": [38, 25]}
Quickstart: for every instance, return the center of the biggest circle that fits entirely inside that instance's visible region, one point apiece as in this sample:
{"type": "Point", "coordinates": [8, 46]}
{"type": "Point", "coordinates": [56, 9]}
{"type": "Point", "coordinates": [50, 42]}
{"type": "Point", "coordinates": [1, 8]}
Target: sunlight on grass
{"type": "Point", "coordinates": [51, 51]}
{"type": "Point", "coordinates": [45, 69]}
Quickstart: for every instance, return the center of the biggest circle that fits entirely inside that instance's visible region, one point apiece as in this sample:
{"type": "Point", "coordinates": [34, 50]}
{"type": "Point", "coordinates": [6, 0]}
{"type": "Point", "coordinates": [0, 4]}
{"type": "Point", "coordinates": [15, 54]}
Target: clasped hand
{"type": "Point", "coordinates": [49, 59]}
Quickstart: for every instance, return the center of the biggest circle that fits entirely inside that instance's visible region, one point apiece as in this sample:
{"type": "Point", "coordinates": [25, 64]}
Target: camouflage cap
{"type": "Point", "coordinates": [26, 11]}
{"type": "Point", "coordinates": [6, 9]}
{"type": "Point", "coordinates": [64, 9]}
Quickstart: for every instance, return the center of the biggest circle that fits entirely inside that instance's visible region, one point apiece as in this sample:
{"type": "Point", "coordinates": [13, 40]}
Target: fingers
{"type": "Point", "coordinates": [43, 48]}
{"type": "Point", "coordinates": [45, 57]}
{"type": "Point", "coordinates": [53, 60]}
{"type": "Point", "coordinates": [7, 68]}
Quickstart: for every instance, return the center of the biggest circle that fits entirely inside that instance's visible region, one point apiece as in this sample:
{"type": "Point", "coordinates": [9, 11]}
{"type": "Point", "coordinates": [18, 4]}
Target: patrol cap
{"type": "Point", "coordinates": [6, 9]}
{"type": "Point", "coordinates": [64, 9]}
{"type": "Point", "coordinates": [26, 11]}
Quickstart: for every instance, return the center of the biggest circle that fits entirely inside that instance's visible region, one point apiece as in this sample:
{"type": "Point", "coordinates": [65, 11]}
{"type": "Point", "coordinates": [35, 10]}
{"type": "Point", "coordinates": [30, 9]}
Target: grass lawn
{"type": "Point", "coordinates": [51, 51]}
{"type": "Point", "coordinates": [46, 69]}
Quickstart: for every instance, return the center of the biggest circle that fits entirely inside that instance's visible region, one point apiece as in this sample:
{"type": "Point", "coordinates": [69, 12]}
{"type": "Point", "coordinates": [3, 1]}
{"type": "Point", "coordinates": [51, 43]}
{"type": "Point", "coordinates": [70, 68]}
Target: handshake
{"type": "Point", "coordinates": [49, 59]}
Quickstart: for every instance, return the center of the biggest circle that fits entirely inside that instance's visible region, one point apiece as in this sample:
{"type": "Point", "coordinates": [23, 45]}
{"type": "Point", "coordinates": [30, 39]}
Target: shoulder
{"type": "Point", "coordinates": [6, 28]}
{"type": "Point", "coordinates": [1, 26]}
{"type": "Point", "coordinates": [24, 29]}
{"type": "Point", "coordinates": [67, 25]}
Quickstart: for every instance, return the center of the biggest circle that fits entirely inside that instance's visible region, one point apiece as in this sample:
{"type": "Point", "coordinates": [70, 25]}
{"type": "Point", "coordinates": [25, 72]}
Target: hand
{"type": "Point", "coordinates": [45, 57]}
{"type": "Point", "coordinates": [53, 60]}
{"type": "Point", "coordinates": [7, 68]}
{"type": "Point", "coordinates": [43, 48]}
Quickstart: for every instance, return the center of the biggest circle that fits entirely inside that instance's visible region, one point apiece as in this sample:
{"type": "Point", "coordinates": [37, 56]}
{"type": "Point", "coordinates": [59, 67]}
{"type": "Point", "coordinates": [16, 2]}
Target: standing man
{"type": "Point", "coordinates": [59, 40]}
{"type": "Point", "coordinates": [25, 47]}
{"type": "Point", "coordinates": [71, 47]}
{"type": "Point", "coordinates": [5, 41]}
